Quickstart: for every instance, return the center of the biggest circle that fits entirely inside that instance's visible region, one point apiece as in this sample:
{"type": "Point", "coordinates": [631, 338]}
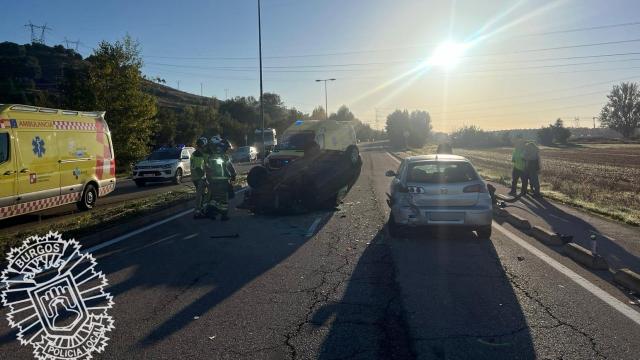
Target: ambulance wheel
{"type": "Point", "coordinates": [88, 199]}
{"type": "Point", "coordinates": [140, 183]}
{"type": "Point", "coordinates": [177, 178]}
{"type": "Point", "coordinates": [353, 155]}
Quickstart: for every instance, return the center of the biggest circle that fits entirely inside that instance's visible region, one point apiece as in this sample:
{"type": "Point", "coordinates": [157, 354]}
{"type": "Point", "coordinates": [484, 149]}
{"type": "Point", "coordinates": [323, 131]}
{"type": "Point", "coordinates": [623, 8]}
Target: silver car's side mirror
{"type": "Point", "coordinates": [390, 173]}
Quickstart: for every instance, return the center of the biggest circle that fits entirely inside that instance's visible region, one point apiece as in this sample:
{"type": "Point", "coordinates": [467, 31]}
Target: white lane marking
{"type": "Point", "coordinates": [136, 232]}
{"type": "Point", "coordinates": [393, 157]}
{"type": "Point", "coordinates": [314, 225]}
{"type": "Point", "coordinates": [623, 308]}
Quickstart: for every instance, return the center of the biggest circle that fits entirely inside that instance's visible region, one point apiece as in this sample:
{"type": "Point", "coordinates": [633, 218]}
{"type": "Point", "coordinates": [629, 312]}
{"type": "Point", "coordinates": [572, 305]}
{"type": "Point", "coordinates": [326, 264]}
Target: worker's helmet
{"type": "Point", "coordinates": [201, 141]}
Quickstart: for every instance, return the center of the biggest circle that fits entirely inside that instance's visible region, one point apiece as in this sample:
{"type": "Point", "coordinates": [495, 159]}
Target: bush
{"type": "Point", "coordinates": [474, 137]}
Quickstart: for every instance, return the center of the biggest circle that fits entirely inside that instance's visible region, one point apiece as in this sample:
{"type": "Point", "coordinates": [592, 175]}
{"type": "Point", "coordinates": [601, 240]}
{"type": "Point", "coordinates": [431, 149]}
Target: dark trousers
{"type": "Point", "coordinates": [516, 175]}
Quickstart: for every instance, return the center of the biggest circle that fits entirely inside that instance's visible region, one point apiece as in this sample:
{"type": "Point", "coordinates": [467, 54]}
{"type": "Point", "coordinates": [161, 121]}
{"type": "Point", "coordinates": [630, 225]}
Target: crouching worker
{"type": "Point", "coordinates": [198, 159]}
{"type": "Point", "coordinates": [218, 174]}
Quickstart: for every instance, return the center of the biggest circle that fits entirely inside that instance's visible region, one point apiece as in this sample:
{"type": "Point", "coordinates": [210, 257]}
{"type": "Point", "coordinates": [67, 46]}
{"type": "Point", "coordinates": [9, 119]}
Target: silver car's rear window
{"type": "Point", "coordinates": [441, 172]}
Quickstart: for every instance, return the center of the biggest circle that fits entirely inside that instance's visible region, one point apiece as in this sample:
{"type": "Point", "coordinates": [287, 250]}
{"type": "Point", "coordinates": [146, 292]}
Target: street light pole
{"type": "Point", "coordinates": [260, 61]}
{"type": "Point", "coordinates": [326, 101]}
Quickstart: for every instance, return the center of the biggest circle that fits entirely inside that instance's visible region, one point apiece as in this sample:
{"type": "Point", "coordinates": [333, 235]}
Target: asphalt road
{"type": "Point", "coordinates": [333, 285]}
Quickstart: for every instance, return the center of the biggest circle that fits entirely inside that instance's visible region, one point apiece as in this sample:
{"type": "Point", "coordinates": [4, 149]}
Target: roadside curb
{"type": "Point", "coordinates": [126, 227]}
{"type": "Point", "coordinates": [585, 257]}
{"type": "Point", "coordinates": [518, 221]}
{"type": "Point", "coordinates": [545, 236]}
{"type": "Point", "coordinates": [392, 153]}
{"type": "Point", "coordinates": [501, 213]}
{"type": "Point", "coordinates": [628, 279]}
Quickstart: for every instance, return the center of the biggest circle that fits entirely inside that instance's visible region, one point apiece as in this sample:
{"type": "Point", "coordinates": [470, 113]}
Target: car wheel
{"type": "Point", "coordinates": [257, 176]}
{"type": "Point", "coordinates": [140, 183]}
{"type": "Point", "coordinates": [484, 232]}
{"type": "Point", "coordinates": [353, 155]}
{"type": "Point", "coordinates": [395, 230]}
{"type": "Point", "coordinates": [89, 197]}
{"type": "Point", "coordinates": [177, 179]}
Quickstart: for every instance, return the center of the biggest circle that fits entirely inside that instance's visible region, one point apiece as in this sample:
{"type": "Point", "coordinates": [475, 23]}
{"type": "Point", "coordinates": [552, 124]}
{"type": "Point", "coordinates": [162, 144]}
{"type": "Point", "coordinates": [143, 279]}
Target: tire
{"type": "Point", "coordinates": [353, 155]}
{"type": "Point", "coordinates": [140, 183]}
{"type": "Point", "coordinates": [257, 176]}
{"type": "Point", "coordinates": [177, 178]}
{"type": "Point", "coordinates": [88, 199]}
{"type": "Point", "coordinates": [484, 232]}
{"type": "Point", "coordinates": [395, 230]}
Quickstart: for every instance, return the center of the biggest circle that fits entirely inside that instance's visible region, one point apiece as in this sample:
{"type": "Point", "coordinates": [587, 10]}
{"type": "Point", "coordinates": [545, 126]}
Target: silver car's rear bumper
{"type": "Point", "coordinates": [479, 215]}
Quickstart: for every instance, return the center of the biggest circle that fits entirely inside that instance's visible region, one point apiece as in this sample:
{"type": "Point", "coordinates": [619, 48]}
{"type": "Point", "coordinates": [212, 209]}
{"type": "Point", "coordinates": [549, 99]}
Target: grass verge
{"type": "Point", "coordinates": [579, 186]}
{"type": "Point", "coordinates": [97, 219]}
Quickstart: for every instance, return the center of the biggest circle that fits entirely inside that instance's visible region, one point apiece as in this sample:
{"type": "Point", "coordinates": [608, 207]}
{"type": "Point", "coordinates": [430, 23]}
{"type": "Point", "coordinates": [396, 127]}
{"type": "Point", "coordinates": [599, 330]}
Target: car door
{"type": "Point", "coordinates": [37, 165]}
{"type": "Point", "coordinates": [7, 173]}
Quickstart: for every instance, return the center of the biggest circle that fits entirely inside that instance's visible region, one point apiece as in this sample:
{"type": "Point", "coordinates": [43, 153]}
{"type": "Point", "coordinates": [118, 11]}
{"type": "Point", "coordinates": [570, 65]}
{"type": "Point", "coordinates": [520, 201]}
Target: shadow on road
{"type": "Point", "coordinates": [566, 223]}
{"type": "Point", "coordinates": [368, 321]}
{"type": "Point", "coordinates": [203, 271]}
{"type": "Point", "coordinates": [456, 300]}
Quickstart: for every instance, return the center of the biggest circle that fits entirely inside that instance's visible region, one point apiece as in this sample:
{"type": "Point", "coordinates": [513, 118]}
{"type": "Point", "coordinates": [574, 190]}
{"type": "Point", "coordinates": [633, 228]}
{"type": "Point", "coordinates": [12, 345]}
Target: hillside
{"type": "Point", "coordinates": [35, 74]}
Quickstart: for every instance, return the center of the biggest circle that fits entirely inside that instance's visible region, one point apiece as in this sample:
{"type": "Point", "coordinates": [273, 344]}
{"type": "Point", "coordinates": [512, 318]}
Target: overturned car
{"type": "Point", "coordinates": [317, 180]}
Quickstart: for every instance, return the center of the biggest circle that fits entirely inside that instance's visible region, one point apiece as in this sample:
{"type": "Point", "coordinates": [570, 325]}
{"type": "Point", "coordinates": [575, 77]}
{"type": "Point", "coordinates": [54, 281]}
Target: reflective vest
{"type": "Point", "coordinates": [216, 167]}
{"type": "Point", "coordinates": [198, 159]}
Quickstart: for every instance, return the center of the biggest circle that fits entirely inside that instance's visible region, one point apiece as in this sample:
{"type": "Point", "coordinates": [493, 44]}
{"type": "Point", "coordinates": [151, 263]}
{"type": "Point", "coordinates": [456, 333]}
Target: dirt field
{"type": "Point", "coordinates": [601, 178]}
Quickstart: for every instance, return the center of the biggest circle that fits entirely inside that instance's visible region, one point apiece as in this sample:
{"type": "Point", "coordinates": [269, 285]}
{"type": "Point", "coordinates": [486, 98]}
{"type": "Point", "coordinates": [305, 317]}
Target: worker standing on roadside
{"type": "Point", "coordinates": [198, 160]}
{"type": "Point", "coordinates": [218, 172]}
{"type": "Point", "coordinates": [517, 158]}
{"type": "Point", "coordinates": [531, 167]}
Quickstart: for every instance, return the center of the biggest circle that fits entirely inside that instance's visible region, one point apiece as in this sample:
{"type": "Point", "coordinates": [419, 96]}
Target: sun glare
{"type": "Point", "coordinates": [447, 54]}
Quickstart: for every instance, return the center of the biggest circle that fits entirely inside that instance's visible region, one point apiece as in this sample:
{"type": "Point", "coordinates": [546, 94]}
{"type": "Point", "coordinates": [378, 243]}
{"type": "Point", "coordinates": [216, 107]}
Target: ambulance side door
{"type": "Point", "coordinates": [37, 165]}
{"type": "Point", "coordinates": [7, 170]}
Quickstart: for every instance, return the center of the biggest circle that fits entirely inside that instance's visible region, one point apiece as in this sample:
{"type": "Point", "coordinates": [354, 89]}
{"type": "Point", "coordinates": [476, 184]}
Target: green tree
{"type": "Point", "coordinates": [343, 114]}
{"type": "Point", "coordinates": [115, 81]}
{"type": "Point", "coordinates": [410, 129]}
{"type": "Point", "coordinates": [545, 136]}
{"type": "Point", "coordinates": [560, 134]}
{"type": "Point", "coordinates": [318, 113]}
{"type": "Point", "coordinates": [622, 111]}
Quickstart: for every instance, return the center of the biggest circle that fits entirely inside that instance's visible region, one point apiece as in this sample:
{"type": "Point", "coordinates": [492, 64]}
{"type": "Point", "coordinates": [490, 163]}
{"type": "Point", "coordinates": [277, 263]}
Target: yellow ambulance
{"type": "Point", "coordinates": [51, 157]}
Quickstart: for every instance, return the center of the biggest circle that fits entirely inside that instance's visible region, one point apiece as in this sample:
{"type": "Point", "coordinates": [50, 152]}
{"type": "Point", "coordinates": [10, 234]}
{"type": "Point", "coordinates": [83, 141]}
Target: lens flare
{"type": "Point", "coordinates": [447, 54]}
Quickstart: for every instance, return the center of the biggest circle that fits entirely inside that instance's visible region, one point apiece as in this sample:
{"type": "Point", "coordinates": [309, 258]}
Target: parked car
{"type": "Point", "coordinates": [52, 157]}
{"type": "Point", "coordinates": [164, 164]}
{"type": "Point", "coordinates": [245, 154]}
{"type": "Point", "coordinates": [439, 190]}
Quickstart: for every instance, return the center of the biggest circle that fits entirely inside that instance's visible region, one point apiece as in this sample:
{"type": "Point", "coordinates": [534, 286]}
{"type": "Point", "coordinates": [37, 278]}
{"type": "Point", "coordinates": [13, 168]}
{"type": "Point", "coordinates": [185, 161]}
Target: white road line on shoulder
{"type": "Point", "coordinates": [136, 232]}
{"type": "Point", "coordinates": [393, 157]}
{"type": "Point", "coordinates": [621, 307]}
{"type": "Point", "coordinates": [314, 225]}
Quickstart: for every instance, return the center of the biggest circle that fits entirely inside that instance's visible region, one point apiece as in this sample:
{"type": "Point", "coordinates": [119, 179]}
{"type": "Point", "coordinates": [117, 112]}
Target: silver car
{"type": "Point", "coordinates": [439, 190]}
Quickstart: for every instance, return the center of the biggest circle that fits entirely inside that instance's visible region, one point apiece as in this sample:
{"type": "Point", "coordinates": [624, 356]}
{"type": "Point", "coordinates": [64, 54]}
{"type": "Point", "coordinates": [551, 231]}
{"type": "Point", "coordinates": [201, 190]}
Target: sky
{"type": "Point", "coordinates": [523, 64]}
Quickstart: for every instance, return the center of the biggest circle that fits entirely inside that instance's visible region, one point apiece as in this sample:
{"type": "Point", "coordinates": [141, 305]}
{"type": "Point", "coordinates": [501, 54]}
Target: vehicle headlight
{"type": "Point", "coordinates": [219, 161]}
{"type": "Point", "coordinates": [166, 166]}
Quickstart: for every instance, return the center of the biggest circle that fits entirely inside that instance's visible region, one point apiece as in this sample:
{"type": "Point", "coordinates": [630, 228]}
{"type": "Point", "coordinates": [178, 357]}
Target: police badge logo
{"type": "Point", "coordinates": [56, 298]}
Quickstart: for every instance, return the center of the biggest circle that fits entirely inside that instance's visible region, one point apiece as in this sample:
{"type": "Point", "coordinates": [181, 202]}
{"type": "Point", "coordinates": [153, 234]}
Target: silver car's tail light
{"type": "Point", "coordinates": [475, 188]}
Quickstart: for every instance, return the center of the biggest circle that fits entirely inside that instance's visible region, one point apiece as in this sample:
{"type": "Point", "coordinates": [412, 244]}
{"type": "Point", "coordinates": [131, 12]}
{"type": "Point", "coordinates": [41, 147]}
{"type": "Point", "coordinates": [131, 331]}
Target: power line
{"type": "Point", "coordinates": [37, 32]}
{"type": "Point", "coordinates": [352, 52]}
{"type": "Point", "coordinates": [600, 27]}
